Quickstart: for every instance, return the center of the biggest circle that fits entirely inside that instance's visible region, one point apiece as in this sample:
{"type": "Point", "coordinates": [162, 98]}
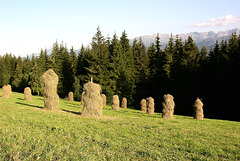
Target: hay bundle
{"type": "Point", "coordinates": [49, 82]}
{"type": "Point", "coordinates": [92, 100]}
{"type": "Point", "coordinates": [9, 87]}
{"type": "Point", "coordinates": [198, 109]}
{"type": "Point", "coordinates": [168, 106]}
{"type": "Point", "coordinates": [27, 94]}
{"type": "Point", "coordinates": [70, 97]}
{"type": "Point", "coordinates": [150, 105]}
{"type": "Point", "coordinates": [5, 92]}
{"type": "Point", "coordinates": [104, 98]}
{"type": "Point", "coordinates": [82, 103]}
{"type": "Point", "coordinates": [124, 103]}
{"type": "Point", "coordinates": [115, 103]}
{"type": "Point", "coordinates": [143, 105]}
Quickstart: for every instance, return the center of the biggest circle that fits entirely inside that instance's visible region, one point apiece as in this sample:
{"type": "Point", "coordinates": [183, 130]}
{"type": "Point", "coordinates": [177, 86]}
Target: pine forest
{"type": "Point", "coordinates": [135, 71]}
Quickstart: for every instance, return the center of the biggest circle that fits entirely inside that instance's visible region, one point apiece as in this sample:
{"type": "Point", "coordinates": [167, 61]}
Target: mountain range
{"type": "Point", "coordinates": [201, 38]}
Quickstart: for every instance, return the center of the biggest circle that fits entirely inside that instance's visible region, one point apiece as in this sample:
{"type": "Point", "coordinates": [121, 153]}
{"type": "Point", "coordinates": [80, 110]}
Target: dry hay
{"type": "Point", "coordinates": [49, 82]}
{"type": "Point", "coordinates": [9, 87]}
{"type": "Point", "coordinates": [5, 92]}
{"type": "Point", "coordinates": [168, 106]}
{"type": "Point", "coordinates": [92, 100]}
{"type": "Point", "coordinates": [104, 98]}
{"type": "Point", "coordinates": [198, 109]}
{"type": "Point", "coordinates": [70, 97]}
{"type": "Point", "coordinates": [27, 94]}
{"type": "Point", "coordinates": [82, 103]}
{"type": "Point", "coordinates": [143, 104]}
{"type": "Point", "coordinates": [115, 103]}
{"type": "Point", "coordinates": [124, 103]}
{"type": "Point", "coordinates": [150, 105]}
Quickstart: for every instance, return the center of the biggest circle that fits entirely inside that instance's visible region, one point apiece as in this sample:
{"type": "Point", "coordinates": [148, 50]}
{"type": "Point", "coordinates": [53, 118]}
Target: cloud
{"type": "Point", "coordinates": [220, 21]}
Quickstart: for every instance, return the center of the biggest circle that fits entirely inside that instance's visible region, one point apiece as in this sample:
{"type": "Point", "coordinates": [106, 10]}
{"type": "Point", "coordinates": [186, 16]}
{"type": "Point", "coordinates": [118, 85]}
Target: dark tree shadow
{"type": "Point", "coordinates": [20, 103]}
{"type": "Point", "coordinates": [20, 99]}
{"type": "Point", "coordinates": [72, 104]}
{"type": "Point", "coordinates": [74, 112]}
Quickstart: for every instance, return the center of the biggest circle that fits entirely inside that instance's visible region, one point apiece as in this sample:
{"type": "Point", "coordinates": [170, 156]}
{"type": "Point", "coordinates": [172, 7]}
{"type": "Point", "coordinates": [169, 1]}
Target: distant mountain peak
{"type": "Point", "coordinates": [201, 38]}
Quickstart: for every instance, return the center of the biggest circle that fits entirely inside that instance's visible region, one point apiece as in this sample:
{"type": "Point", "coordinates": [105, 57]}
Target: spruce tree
{"type": "Point", "coordinates": [6, 69]}
{"type": "Point", "coordinates": [203, 54]}
{"type": "Point", "coordinates": [17, 76]}
{"type": "Point", "coordinates": [26, 70]}
{"type": "Point", "coordinates": [117, 64]}
{"type": "Point", "coordinates": [34, 82]}
{"type": "Point", "coordinates": [73, 61]}
{"type": "Point", "coordinates": [77, 89]}
{"type": "Point", "coordinates": [98, 59]}
{"type": "Point", "coordinates": [142, 69]}
{"type": "Point", "coordinates": [126, 80]}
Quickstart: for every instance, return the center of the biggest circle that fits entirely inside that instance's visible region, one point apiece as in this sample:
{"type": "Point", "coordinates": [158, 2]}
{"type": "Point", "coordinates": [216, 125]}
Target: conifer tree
{"type": "Point", "coordinates": [142, 69]}
{"type": "Point", "coordinates": [17, 76]}
{"type": "Point", "coordinates": [77, 89]}
{"type": "Point", "coordinates": [126, 80]}
{"type": "Point", "coordinates": [97, 60]}
{"type": "Point", "coordinates": [73, 61]}
{"type": "Point", "coordinates": [26, 70]}
{"type": "Point", "coordinates": [4, 74]}
{"type": "Point", "coordinates": [203, 54]}
{"type": "Point", "coordinates": [34, 82]}
{"type": "Point", "coordinates": [6, 69]}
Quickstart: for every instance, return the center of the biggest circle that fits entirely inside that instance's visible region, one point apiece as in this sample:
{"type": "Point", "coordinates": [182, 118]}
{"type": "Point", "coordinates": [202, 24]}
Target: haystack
{"type": "Point", "coordinates": [70, 97]}
{"type": "Point", "coordinates": [49, 82]}
{"type": "Point", "coordinates": [27, 94]}
{"type": "Point", "coordinates": [198, 109]}
{"type": "Point", "coordinates": [82, 103]}
{"type": "Point", "coordinates": [5, 92]}
{"type": "Point", "coordinates": [92, 100]}
{"type": "Point", "coordinates": [115, 103]}
{"type": "Point", "coordinates": [150, 105]}
{"type": "Point", "coordinates": [143, 105]}
{"type": "Point", "coordinates": [9, 87]}
{"type": "Point", "coordinates": [104, 98]}
{"type": "Point", "coordinates": [168, 106]}
{"type": "Point", "coordinates": [124, 103]}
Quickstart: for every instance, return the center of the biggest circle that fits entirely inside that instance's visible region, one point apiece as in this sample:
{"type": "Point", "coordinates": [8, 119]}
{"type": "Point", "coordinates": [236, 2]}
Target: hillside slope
{"type": "Point", "coordinates": [30, 133]}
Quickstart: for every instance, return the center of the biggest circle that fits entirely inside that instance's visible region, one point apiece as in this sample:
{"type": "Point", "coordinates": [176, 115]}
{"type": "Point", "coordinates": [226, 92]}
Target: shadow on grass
{"type": "Point", "coordinates": [140, 114]}
{"type": "Point", "coordinates": [74, 112]}
{"type": "Point", "coordinates": [72, 104]}
{"type": "Point", "coordinates": [20, 103]}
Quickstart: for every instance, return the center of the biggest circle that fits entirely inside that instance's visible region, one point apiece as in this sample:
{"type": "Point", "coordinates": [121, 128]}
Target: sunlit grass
{"type": "Point", "coordinates": [27, 132]}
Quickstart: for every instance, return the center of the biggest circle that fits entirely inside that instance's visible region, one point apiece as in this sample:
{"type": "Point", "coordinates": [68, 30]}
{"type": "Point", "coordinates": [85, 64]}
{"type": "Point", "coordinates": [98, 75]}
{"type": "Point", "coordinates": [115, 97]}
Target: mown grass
{"type": "Point", "coordinates": [27, 132]}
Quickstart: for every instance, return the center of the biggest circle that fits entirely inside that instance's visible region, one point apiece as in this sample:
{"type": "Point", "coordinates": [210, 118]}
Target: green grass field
{"type": "Point", "coordinates": [27, 132]}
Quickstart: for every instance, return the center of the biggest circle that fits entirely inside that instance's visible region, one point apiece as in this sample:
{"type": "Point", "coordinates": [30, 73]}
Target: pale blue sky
{"type": "Point", "coordinates": [26, 26]}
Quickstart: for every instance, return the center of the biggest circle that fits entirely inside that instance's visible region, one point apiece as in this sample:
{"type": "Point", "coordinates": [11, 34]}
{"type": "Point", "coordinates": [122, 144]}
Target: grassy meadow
{"type": "Point", "coordinates": [27, 132]}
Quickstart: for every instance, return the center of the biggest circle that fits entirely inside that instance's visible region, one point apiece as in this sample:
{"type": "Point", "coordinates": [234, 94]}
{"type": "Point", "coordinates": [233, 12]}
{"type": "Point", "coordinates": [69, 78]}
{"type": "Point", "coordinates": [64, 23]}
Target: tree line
{"type": "Point", "coordinates": [135, 71]}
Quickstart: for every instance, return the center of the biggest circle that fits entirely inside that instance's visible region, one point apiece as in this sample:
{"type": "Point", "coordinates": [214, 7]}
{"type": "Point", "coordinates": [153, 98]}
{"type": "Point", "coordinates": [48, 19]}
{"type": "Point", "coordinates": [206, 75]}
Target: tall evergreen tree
{"type": "Point", "coordinates": [34, 82]}
{"type": "Point", "coordinates": [73, 61]}
{"type": "Point", "coordinates": [142, 69]}
{"type": "Point", "coordinates": [17, 76]}
{"type": "Point", "coordinates": [26, 70]}
{"type": "Point", "coordinates": [98, 60]}
{"type": "Point", "coordinates": [117, 63]}
{"type": "Point", "coordinates": [126, 81]}
{"type": "Point", "coordinates": [6, 69]}
{"type": "Point", "coordinates": [77, 89]}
